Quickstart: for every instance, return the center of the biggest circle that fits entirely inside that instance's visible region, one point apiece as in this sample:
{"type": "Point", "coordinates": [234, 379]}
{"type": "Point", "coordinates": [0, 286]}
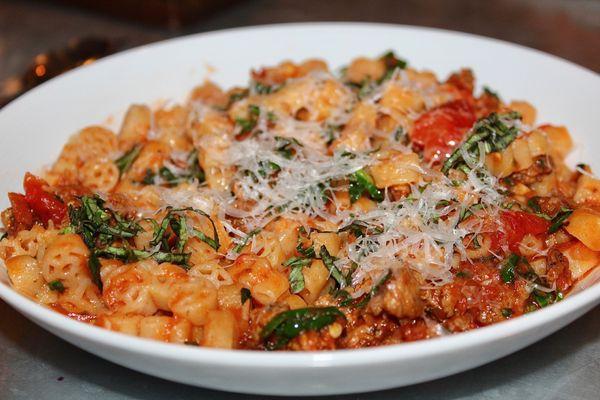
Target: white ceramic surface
{"type": "Point", "coordinates": [34, 127]}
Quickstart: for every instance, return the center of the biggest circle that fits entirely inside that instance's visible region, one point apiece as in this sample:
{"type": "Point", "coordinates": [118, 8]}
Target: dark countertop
{"type": "Point", "coordinates": [36, 365]}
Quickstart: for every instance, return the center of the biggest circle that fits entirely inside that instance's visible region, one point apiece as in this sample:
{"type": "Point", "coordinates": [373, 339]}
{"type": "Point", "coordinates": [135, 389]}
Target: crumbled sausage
{"type": "Point", "coordinates": [558, 269]}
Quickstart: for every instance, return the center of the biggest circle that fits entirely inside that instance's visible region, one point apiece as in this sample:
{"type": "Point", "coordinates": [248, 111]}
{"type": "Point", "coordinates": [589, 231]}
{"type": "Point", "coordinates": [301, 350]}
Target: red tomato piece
{"type": "Point", "coordinates": [45, 205]}
{"type": "Point", "coordinates": [515, 225]}
{"type": "Point", "coordinates": [441, 129]}
{"type": "Point", "coordinates": [22, 214]}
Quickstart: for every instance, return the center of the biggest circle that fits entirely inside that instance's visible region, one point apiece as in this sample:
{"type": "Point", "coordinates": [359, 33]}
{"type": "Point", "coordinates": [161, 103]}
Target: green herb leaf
{"type": "Point", "coordinates": [559, 219]}
{"type": "Point", "coordinates": [392, 62]}
{"type": "Point", "coordinates": [507, 312]}
{"type": "Point", "coordinates": [94, 266]}
{"type": "Point", "coordinates": [374, 290]}
{"type": "Point", "coordinates": [237, 96]}
{"type": "Point", "coordinates": [296, 278]}
{"type": "Point", "coordinates": [297, 262]}
{"type": "Point", "coordinates": [287, 325]}
{"type": "Point", "coordinates": [493, 131]}
{"type": "Point", "coordinates": [240, 246]}
{"type": "Point", "coordinates": [248, 124]}
{"type": "Point", "coordinates": [507, 273]}
{"type": "Point", "coordinates": [245, 294]}
{"type": "Point", "coordinates": [328, 260]}
{"type": "Point", "coordinates": [149, 177]}
{"type": "Point", "coordinates": [194, 169]}
{"type": "Point", "coordinates": [490, 92]}
{"type": "Point", "coordinates": [285, 146]}
{"type": "Point", "coordinates": [168, 176]}
{"type": "Point", "coordinates": [261, 88]}
{"type": "Point", "coordinates": [361, 182]}
{"type": "Point", "coordinates": [541, 299]}
{"type": "Point", "coordinates": [126, 160]}
{"type": "Point", "coordinates": [400, 135]}
{"type": "Point", "coordinates": [462, 274]}
{"type": "Point", "coordinates": [56, 286]}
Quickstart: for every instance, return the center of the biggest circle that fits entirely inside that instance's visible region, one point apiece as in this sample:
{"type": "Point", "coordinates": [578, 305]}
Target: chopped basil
{"type": "Point", "coordinates": [287, 325]}
{"type": "Point", "coordinates": [149, 177]}
{"type": "Point", "coordinates": [541, 299]}
{"type": "Point", "coordinates": [247, 125]}
{"type": "Point", "coordinates": [107, 235]}
{"type": "Point", "coordinates": [245, 295]}
{"type": "Point", "coordinates": [392, 62]}
{"type": "Point", "coordinates": [94, 266]}
{"type": "Point", "coordinates": [533, 204]}
{"type": "Point", "coordinates": [285, 146]}
{"type": "Point", "coordinates": [507, 312]}
{"type": "Point", "coordinates": [493, 131]}
{"type": "Point", "coordinates": [261, 88]}
{"type": "Point", "coordinates": [306, 251]}
{"type": "Point", "coordinates": [125, 162]}
{"type": "Point", "coordinates": [467, 212]}
{"type": "Point", "coordinates": [56, 286]}
{"type": "Point", "coordinates": [462, 274]}
{"type": "Point", "coordinates": [237, 96]}
{"type": "Point", "coordinates": [192, 172]}
{"type": "Point", "coordinates": [374, 290]}
{"type": "Point", "coordinates": [194, 169]}
{"type": "Point", "coordinates": [240, 246]}
{"type": "Point", "coordinates": [400, 135]}
{"type": "Point", "coordinates": [168, 176]}
{"type": "Point", "coordinates": [490, 92]}
{"type": "Point", "coordinates": [331, 133]}
{"type": "Point", "coordinates": [296, 277]}
{"type": "Point", "coordinates": [559, 219]}
{"type": "Point", "coordinates": [507, 273]}
{"type": "Point", "coordinates": [361, 182]}
{"type": "Point", "coordinates": [328, 260]}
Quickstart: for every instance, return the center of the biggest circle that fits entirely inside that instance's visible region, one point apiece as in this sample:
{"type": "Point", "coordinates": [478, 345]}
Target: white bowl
{"type": "Point", "coordinates": [35, 126]}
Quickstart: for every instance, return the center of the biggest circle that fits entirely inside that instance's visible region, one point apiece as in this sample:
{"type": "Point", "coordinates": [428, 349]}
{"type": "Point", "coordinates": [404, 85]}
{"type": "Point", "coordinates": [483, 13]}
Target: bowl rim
{"type": "Point", "coordinates": [334, 358]}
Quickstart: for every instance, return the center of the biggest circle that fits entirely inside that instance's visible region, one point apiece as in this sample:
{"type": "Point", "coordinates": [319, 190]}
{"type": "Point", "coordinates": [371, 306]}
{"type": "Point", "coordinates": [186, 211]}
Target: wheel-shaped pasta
{"type": "Point", "coordinates": [256, 274]}
{"type": "Point", "coordinates": [99, 174]}
{"type": "Point", "coordinates": [193, 300]}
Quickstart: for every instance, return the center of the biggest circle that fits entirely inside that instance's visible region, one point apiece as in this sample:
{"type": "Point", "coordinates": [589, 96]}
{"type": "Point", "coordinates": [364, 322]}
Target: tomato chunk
{"type": "Point", "coordinates": [514, 226]}
{"type": "Point", "coordinates": [45, 205]}
{"type": "Point", "coordinates": [22, 215]}
{"type": "Point", "coordinates": [440, 130]}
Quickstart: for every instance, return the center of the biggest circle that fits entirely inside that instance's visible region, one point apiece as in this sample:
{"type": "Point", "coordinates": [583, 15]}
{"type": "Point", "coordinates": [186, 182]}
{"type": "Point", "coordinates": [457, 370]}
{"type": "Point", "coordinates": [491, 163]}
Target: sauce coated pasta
{"type": "Point", "coordinates": [311, 210]}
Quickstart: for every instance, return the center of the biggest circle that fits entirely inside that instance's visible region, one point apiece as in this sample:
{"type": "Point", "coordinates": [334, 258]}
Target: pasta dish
{"type": "Point", "coordinates": [311, 210]}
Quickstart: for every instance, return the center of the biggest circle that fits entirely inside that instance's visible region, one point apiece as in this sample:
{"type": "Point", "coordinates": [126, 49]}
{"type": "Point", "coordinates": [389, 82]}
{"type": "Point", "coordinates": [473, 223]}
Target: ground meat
{"type": "Point", "coordinates": [366, 330]}
{"type": "Point", "coordinates": [558, 271]}
{"type": "Point", "coordinates": [401, 295]}
{"type": "Point", "coordinates": [311, 341]}
{"type": "Point", "coordinates": [259, 317]}
{"type": "Point", "coordinates": [477, 297]}
{"type": "Point", "coordinates": [550, 205]}
{"type": "Point", "coordinates": [542, 166]}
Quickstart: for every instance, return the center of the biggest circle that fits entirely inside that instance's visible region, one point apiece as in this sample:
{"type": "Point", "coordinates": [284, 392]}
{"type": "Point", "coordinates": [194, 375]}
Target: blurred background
{"type": "Point", "coordinates": [66, 33]}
